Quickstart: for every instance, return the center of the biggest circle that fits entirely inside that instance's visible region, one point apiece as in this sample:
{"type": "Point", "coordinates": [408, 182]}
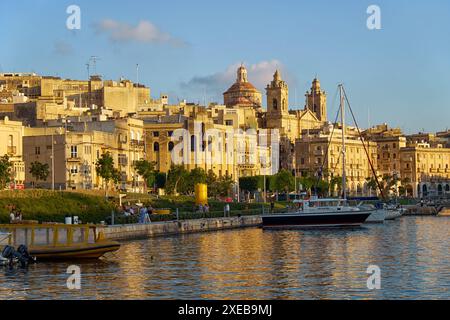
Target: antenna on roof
{"type": "Point", "coordinates": [137, 73]}
{"type": "Point", "coordinates": [94, 60]}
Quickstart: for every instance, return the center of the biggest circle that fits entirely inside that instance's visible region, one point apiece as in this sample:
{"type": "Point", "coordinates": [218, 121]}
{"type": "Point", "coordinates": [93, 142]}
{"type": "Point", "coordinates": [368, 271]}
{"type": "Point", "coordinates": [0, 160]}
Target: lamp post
{"type": "Point", "coordinates": [53, 163]}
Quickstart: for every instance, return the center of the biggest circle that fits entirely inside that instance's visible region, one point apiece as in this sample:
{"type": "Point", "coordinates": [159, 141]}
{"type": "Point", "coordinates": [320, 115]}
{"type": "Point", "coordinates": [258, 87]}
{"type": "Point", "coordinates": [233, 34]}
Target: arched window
{"type": "Point", "coordinates": [192, 143]}
{"type": "Point", "coordinates": [132, 135]}
{"type": "Point", "coordinates": [275, 104]}
{"type": "Point", "coordinates": [156, 147]}
{"type": "Point", "coordinates": [170, 146]}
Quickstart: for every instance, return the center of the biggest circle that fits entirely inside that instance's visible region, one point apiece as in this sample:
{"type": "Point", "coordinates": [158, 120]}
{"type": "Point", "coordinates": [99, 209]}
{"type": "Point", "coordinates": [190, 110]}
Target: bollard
{"type": "Point", "coordinates": [112, 217]}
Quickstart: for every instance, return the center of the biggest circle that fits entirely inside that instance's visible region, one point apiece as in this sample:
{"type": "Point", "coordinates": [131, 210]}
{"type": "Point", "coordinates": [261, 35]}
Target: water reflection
{"type": "Point", "coordinates": [254, 264]}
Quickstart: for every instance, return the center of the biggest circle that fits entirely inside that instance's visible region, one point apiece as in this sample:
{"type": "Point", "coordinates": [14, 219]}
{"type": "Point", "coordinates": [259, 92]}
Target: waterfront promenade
{"type": "Point", "coordinates": [141, 231]}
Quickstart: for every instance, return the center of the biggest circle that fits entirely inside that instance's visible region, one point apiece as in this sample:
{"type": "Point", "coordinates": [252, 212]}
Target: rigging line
{"type": "Point", "coordinates": [326, 154]}
{"type": "Point", "coordinates": [334, 99]}
{"type": "Point", "coordinates": [364, 145]}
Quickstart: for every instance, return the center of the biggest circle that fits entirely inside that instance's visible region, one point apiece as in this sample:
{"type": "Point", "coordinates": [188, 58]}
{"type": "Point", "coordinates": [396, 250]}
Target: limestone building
{"type": "Point", "coordinates": [319, 152]}
{"type": "Point", "coordinates": [11, 133]}
{"type": "Point", "coordinates": [425, 170]}
{"type": "Point", "coordinates": [78, 146]}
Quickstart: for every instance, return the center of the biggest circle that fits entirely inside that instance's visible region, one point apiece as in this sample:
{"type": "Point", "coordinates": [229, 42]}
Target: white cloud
{"type": "Point", "coordinates": [259, 74]}
{"type": "Point", "coordinates": [62, 48]}
{"type": "Point", "coordinates": [143, 32]}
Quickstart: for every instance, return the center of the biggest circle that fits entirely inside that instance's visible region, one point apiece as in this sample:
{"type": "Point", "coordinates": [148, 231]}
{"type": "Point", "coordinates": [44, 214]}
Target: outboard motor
{"type": "Point", "coordinates": [9, 254]}
{"type": "Point", "coordinates": [25, 255]}
{"type": "Point", "coordinates": [21, 255]}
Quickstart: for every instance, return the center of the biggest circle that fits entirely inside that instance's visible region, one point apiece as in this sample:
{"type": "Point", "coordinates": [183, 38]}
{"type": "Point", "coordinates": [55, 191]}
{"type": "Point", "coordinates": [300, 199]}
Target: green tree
{"type": "Point", "coordinates": [39, 171]}
{"type": "Point", "coordinates": [372, 184]}
{"type": "Point", "coordinates": [176, 179]}
{"type": "Point", "coordinates": [211, 181]}
{"type": "Point", "coordinates": [307, 182]}
{"type": "Point", "coordinates": [105, 169]}
{"type": "Point", "coordinates": [160, 180]}
{"type": "Point", "coordinates": [336, 184]}
{"type": "Point", "coordinates": [250, 183]}
{"type": "Point", "coordinates": [223, 185]}
{"type": "Point", "coordinates": [146, 170]}
{"type": "Point", "coordinates": [5, 171]}
{"type": "Point", "coordinates": [284, 181]}
{"type": "Point", "coordinates": [197, 175]}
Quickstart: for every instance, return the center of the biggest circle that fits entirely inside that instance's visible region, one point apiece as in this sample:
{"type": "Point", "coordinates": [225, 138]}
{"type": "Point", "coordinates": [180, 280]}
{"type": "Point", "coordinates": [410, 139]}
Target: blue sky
{"type": "Point", "coordinates": [189, 49]}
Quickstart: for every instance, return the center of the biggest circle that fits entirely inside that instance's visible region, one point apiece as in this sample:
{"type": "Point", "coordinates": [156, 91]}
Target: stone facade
{"type": "Point", "coordinates": [319, 152]}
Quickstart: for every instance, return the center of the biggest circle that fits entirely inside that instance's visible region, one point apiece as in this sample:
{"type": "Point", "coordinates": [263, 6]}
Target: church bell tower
{"type": "Point", "coordinates": [316, 101]}
{"type": "Point", "coordinates": [277, 96]}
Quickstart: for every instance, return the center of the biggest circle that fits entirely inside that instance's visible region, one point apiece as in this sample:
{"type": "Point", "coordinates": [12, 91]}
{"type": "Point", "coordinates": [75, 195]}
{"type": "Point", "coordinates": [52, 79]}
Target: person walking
{"type": "Point", "coordinates": [227, 210]}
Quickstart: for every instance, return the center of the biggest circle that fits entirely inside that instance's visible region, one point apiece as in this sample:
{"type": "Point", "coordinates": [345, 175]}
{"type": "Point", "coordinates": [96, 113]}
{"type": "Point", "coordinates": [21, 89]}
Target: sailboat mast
{"type": "Point", "coordinates": [344, 177]}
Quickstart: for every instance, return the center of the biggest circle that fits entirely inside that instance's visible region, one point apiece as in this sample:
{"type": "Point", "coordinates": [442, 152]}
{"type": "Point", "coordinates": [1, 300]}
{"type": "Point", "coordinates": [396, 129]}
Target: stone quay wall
{"type": "Point", "coordinates": [142, 231]}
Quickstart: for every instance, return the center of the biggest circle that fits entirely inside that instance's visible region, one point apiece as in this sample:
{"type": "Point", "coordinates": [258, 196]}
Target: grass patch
{"type": "Point", "coordinates": [53, 206]}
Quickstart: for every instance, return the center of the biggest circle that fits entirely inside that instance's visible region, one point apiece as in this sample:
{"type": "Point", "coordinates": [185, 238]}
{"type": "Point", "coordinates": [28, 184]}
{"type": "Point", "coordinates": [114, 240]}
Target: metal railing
{"type": "Point", "coordinates": [49, 234]}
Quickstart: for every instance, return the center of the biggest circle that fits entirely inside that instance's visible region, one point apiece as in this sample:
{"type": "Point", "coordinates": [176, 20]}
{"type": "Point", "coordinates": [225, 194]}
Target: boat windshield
{"type": "Point", "coordinates": [321, 203]}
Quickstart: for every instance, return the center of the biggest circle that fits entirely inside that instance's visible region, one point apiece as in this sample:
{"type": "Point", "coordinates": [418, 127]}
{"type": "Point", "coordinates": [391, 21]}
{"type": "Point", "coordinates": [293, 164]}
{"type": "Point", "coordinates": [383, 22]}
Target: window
{"type": "Point", "coordinates": [192, 143]}
{"type": "Point", "coordinates": [228, 122]}
{"type": "Point", "coordinates": [170, 146]}
{"type": "Point", "coordinates": [87, 149]}
{"type": "Point", "coordinates": [74, 169]}
{"type": "Point", "coordinates": [37, 150]}
{"type": "Point", "coordinates": [169, 133]}
{"type": "Point", "coordinates": [156, 134]}
{"type": "Point", "coordinates": [73, 151]}
{"type": "Point", "coordinates": [275, 104]}
{"type": "Point", "coordinates": [156, 147]}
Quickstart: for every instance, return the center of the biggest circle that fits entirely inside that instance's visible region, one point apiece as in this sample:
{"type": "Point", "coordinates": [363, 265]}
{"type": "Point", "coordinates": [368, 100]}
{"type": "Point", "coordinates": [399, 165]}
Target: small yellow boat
{"type": "Point", "coordinates": [58, 241]}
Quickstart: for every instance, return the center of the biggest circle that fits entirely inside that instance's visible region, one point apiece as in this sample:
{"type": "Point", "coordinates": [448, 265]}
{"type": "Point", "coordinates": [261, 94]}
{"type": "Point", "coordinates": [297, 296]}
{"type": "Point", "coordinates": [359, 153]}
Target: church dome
{"type": "Point", "coordinates": [242, 92]}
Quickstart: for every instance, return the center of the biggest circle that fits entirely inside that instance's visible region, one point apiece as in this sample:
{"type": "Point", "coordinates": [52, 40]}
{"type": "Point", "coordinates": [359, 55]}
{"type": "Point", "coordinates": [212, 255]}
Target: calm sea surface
{"type": "Point", "coordinates": [412, 253]}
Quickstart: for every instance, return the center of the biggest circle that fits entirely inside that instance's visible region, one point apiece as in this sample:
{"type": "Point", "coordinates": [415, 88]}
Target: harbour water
{"type": "Point", "coordinates": [412, 253]}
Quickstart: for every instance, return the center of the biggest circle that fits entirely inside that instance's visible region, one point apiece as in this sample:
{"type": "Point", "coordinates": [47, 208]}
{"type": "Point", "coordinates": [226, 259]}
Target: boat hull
{"type": "Point", "coordinates": [90, 251]}
{"type": "Point", "coordinates": [393, 214]}
{"type": "Point", "coordinates": [315, 220]}
{"type": "Point", "coordinates": [377, 217]}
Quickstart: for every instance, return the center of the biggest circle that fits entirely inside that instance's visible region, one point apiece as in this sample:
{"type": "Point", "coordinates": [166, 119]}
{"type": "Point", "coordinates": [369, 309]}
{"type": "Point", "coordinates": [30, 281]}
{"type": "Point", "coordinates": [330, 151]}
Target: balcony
{"type": "Point", "coordinates": [137, 143]}
{"type": "Point", "coordinates": [11, 150]}
{"type": "Point", "coordinates": [74, 159]}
